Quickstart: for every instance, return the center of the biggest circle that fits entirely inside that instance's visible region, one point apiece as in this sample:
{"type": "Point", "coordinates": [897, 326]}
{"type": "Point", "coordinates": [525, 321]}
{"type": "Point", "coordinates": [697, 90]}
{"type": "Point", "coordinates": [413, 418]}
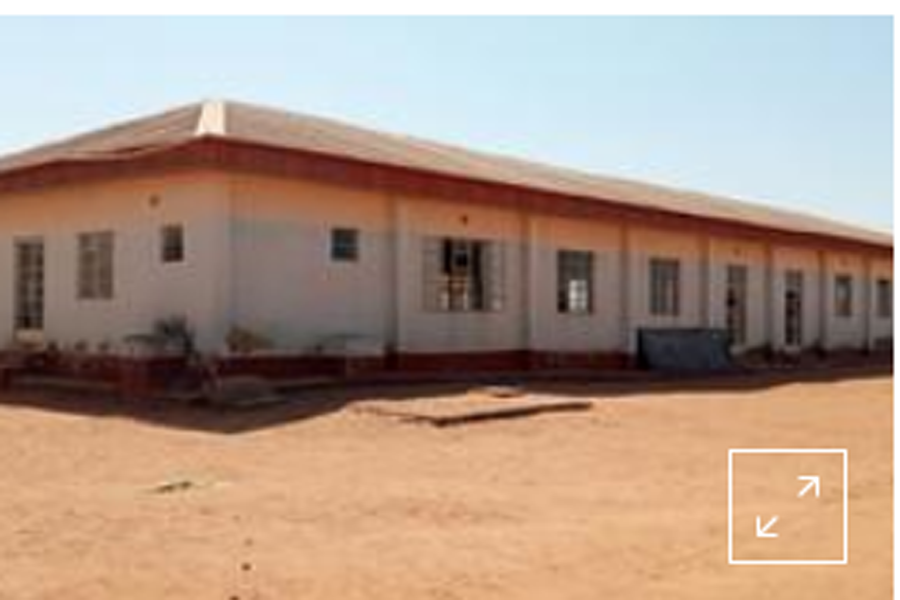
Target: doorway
{"type": "Point", "coordinates": [793, 309]}
{"type": "Point", "coordinates": [29, 285]}
{"type": "Point", "coordinates": [736, 305]}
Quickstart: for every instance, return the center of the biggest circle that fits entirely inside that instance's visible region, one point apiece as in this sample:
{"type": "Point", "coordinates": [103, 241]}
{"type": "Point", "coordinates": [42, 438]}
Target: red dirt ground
{"type": "Point", "coordinates": [324, 499]}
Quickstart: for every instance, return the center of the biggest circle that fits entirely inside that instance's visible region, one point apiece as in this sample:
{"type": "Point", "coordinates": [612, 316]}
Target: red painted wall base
{"type": "Point", "coordinates": [141, 376]}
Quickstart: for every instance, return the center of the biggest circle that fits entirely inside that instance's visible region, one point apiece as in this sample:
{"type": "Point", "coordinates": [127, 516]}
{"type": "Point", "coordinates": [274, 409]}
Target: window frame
{"type": "Point", "coordinates": [665, 283]}
{"type": "Point", "coordinates": [575, 267]}
{"type": "Point", "coordinates": [95, 269]}
{"type": "Point", "coordinates": [463, 275]}
{"type": "Point", "coordinates": [884, 298]}
{"type": "Point", "coordinates": [843, 295]}
{"type": "Point", "coordinates": [344, 245]}
{"type": "Point", "coordinates": [166, 247]}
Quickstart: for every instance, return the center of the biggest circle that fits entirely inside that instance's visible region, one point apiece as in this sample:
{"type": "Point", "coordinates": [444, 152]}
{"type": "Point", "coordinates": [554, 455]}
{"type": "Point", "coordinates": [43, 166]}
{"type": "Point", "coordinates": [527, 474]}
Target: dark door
{"type": "Point", "coordinates": [736, 305]}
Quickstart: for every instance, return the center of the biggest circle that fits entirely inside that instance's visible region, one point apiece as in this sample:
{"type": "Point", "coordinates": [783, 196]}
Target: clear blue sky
{"type": "Point", "coordinates": [792, 111]}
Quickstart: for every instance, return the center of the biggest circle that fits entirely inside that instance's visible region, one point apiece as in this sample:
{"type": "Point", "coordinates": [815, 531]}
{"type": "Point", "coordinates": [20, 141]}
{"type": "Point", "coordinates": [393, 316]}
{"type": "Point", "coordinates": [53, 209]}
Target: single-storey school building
{"type": "Point", "coordinates": [285, 239]}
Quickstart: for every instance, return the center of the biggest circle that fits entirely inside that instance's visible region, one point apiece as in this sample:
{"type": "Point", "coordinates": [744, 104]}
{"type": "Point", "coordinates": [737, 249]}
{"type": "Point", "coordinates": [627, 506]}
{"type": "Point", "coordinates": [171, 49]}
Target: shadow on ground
{"type": "Point", "coordinates": [323, 400]}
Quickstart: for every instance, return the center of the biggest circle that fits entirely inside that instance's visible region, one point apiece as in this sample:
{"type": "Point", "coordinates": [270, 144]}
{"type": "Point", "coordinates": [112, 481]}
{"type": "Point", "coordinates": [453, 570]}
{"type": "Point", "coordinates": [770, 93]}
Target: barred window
{"type": "Point", "coordinates": [843, 295]}
{"type": "Point", "coordinates": [344, 244]}
{"type": "Point", "coordinates": [665, 287]}
{"type": "Point", "coordinates": [172, 243]}
{"type": "Point", "coordinates": [885, 298]}
{"type": "Point", "coordinates": [95, 265]}
{"type": "Point", "coordinates": [575, 282]}
{"type": "Point", "coordinates": [463, 275]}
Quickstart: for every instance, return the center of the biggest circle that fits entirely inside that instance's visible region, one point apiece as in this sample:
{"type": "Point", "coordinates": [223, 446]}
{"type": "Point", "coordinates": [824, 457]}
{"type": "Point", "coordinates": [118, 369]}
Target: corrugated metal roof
{"type": "Point", "coordinates": [147, 134]}
{"type": "Point", "coordinates": [276, 128]}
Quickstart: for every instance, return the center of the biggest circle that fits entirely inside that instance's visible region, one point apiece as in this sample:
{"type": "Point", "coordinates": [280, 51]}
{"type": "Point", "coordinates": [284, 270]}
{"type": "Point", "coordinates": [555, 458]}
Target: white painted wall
{"type": "Point", "coordinates": [846, 332]}
{"type": "Point", "coordinates": [258, 257]}
{"type": "Point", "coordinates": [285, 285]}
{"type": "Point", "coordinates": [647, 244]}
{"type": "Point", "coordinates": [785, 259]}
{"type": "Point", "coordinates": [725, 252]}
{"type": "Point", "coordinates": [421, 330]}
{"type": "Point", "coordinates": [145, 289]}
{"type": "Point", "coordinates": [598, 331]}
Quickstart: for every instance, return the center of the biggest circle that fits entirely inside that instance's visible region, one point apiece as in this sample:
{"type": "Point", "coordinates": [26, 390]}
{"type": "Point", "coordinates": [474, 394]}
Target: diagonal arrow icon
{"type": "Point", "coordinates": [813, 483]}
{"type": "Point", "coordinates": [762, 531]}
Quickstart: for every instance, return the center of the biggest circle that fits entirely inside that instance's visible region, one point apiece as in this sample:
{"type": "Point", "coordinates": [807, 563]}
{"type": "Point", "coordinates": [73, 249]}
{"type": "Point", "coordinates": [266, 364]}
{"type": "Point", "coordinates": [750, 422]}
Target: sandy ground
{"type": "Point", "coordinates": [326, 500]}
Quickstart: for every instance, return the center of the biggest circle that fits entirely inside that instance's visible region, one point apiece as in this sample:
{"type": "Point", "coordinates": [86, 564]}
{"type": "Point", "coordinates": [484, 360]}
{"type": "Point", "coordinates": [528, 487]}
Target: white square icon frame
{"type": "Point", "coordinates": [731, 453]}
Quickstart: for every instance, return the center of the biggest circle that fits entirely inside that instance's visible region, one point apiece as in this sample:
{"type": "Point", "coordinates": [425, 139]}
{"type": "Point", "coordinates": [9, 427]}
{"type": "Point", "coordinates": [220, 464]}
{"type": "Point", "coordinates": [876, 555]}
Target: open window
{"type": "Point", "coordinates": [463, 275]}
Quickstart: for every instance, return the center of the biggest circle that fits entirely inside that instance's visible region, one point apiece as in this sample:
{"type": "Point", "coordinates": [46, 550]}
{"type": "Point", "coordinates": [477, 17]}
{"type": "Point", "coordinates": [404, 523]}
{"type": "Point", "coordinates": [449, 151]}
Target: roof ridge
{"type": "Point", "coordinates": [212, 119]}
